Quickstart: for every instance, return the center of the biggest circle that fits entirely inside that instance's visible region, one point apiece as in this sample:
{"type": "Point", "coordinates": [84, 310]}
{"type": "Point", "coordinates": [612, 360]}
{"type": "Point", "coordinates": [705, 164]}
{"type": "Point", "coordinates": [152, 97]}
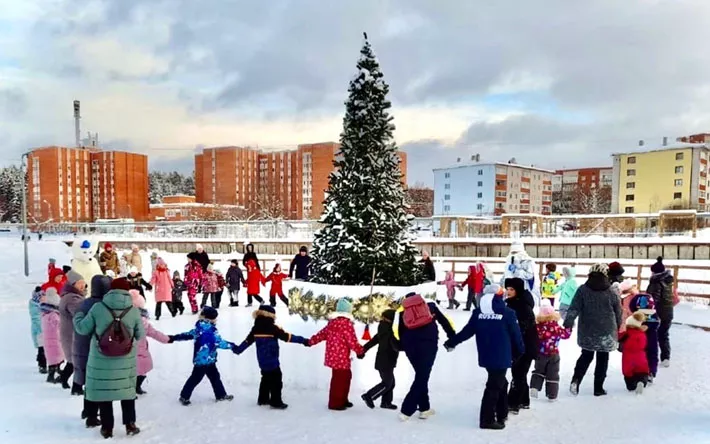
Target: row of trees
{"type": "Point", "coordinates": [169, 184]}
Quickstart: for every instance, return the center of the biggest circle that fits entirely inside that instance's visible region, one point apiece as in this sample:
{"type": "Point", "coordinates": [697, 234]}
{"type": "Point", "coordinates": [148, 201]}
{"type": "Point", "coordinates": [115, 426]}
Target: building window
{"type": "Point", "coordinates": [629, 198]}
{"type": "Point", "coordinates": [629, 210]}
{"type": "Point", "coordinates": [480, 184]}
{"type": "Point", "coordinates": [631, 160]}
{"type": "Point", "coordinates": [630, 172]}
{"type": "Point", "coordinates": [447, 175]}
{"type": "Point", "coordinates": [677, 195]}
{"type": "Point", "coordinates": [480, 195]}
{"type": "Point", "coordinates": [630, 185]}
{"type": "Point", "coordinates": [447, 186]}
{"type": "Point", "coordinates": [678, 156]}
{"type": "Point", "coordinates": [447, 208]}
{"type": "Point", "coordinates": [679, 170]}
{"type": "Point", "coordinates": [678, 182]}
{"type": "Point", "coordinates": [447, 197]}
{"type": "Point", "coordinates": [480, 172]}
{"type": "Point", "coordinates": [479, 206]}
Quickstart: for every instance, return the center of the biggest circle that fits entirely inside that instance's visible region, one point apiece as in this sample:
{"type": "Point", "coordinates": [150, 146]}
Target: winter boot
{"type": "Point", "coordinates": [493, 426]}
{"type": "Point", "coordinates": [225, 398]}
{"type": "Point", "coordinates": [388, 406]}
{"type": "Point", "coordinates": [52, 376]}
{"type": "Point", "coordinates": [533, 393]}
{"type": "Point", "coordinates": [639, 388]}
{"type": "Point", "coordinates": [107, 433]}
{"type": "Point", "coordinates": [666, 363]}
{"type": "Point", "coordinates": [77, 389]}
{"type": "Point", "coordinates": [426, 414]}
{"type": "Point", "coordinates": [92, 423]}
{"type": "Point", "coordinates": [451, 305]}
{"type": "Point", "coordinates": [574, 387]}
{"type": "Point", "coordinates": [599, 385]}
{"type": "Point", "coordinates": [139, 385]}
{"type": "Point", "coordinates": [349, 405]}
{"type": "Point", "coordinates": [368, 401]}
{"type": "Point", "coordinates": [281, 406]}
{"type": "Point", "coordinates": [42, 370]}
{"type": "Point", "coordinates": [131, 429]}
{"type": "Point", "coordinates": [185, 402]}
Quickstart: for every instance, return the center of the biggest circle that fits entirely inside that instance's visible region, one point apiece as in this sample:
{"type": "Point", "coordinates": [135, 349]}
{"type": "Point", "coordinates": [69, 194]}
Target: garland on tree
{"type": "Point", "coordinates": [365, 220]}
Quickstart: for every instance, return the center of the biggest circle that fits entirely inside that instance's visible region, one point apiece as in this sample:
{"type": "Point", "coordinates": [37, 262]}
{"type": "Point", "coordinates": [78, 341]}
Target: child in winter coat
{"type": "Point", "coordinates": [547, 364]}
{"type": "Point", "coordinates": [193, 280]}
{"type": "Point", "coordinates": [276, 277]}
{"type": "Point", "coordinates": [254, 281]}
{"type": "Point", "coordinates": [340, 339]}
{"type": "Point", "coordinates": [451, 285]}
{"type": "Point", "coordinates": [234, 280]}
{"type": "Point", "coordinates": [207, 342]}
{"type": "Point", "coordinates": [135, 278]}
{"type": "Point", "coordinates": [644, 303]}
{"type": "Point", "coordinates": [50, 334]}
{"type": "Point", "coordinates": [178, 290]}
{"type": "Point", "coordinates": [385, 362]}
{"type": "Point", "coordinates": [36, 328]}
{"type": "Point", "coordinates": [163, 285]}
{"type": "Point", "coordinates": [634, 363]}
{"type": "Point", "coordinates": [549, 283]}
{"type": "Point", "coordinates": [221, 283]}
{"type": "Point", "coordinates": [210, 287]}
{"type": "Point", "coordinates": [266, 334]}
{"type": "Point", "coordinates": [628, 290]}
{"type": "Point", "coordinates": [499, 341]}
{"type": "Point", "coordinates": [476, 282]}
{"type": "Point", "coordinates": [51, 266]}
{"type": "Point", "coordinates": [144, 361]}
{"type": "Point", "coordinates": [566, 290]}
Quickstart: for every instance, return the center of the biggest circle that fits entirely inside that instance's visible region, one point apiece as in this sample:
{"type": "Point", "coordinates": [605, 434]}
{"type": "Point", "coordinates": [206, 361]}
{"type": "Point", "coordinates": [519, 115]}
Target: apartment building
{"type": "Point", "coordinates": [481, 189]}
{"type": "Point", "coordinates": [83, 184]}
{"type": "Point", "coordinates": [572, 179]}
{"type": "Point", "coordinates": [183, 208]}
{"type": "Point", "coordinates": [670, 176]}
{"type": "Point", "coordinates": [292, 182]}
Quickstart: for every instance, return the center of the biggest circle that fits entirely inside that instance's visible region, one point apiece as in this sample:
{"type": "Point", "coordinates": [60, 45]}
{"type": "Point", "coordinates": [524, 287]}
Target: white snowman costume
{"type": "Point", "coordinates": [518, 264]}
{"type": "Point", "coordinates": [83, 260]}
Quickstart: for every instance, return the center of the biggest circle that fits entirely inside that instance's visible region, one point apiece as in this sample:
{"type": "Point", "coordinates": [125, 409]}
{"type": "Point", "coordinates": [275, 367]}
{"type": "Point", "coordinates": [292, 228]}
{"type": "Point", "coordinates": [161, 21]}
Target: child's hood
{"type": "Point", "coordinates": [492, 304]}
{"type": "Point", "coordinates": [205, 326]}
{"type": "Point", "coordinates": [118, 299]}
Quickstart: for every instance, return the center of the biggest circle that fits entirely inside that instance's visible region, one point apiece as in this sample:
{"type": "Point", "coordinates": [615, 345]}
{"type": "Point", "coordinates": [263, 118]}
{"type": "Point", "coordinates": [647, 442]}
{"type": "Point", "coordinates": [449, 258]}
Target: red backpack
{"type": "Point", "coordinates": [115, 340]}
{"type": "Point", "coordinates": [416, 312]}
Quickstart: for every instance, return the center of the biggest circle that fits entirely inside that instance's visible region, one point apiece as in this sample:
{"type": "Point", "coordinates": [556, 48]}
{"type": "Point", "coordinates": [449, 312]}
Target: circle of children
{"type": "Point", "coordinates": [103, 338]}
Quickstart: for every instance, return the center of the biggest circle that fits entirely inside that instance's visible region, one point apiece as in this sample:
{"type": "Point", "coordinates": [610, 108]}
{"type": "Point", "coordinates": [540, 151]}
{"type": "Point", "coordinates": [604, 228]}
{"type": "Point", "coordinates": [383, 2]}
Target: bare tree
{"type": "Point", "coordinates": [267, 207]}
{"type": "Point", "coordinates": [592, 200]}
{"type": "Point", "coordinates": [420, 200]}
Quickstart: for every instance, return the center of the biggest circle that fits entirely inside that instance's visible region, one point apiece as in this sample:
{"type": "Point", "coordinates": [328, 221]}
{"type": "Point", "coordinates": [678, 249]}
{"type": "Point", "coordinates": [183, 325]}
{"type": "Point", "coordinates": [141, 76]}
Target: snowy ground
{"type": "Point", "coordinates": [675, 409]}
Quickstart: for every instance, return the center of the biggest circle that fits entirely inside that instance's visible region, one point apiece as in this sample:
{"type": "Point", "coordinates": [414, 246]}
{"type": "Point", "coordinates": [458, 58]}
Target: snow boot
{"type": "Point", "coordinates": [281, 406]}
{"type": "Point", "coordinates": [51, 378]}
{"type": "Point", "coordinates": [132, 429]}
{"type": "Point", "coordinates": [106, 433]}
{"type": "Point", "coordinates": [599, 392]}
{"type": "Point", "coordinates": [92, 423]}
{"type": "Point", "coordinates": [666, 363]}
{"type": "Point", "coordinates": [225, 398]}
{"type": "Point", "coordinates": [426, 414]}
{"type": "Point", "coordinates": [139, 385]}
{"type": "Point", "coordinates": [493, 426]}
{"type": "Point", "coordinates": [42, 370]}
{"type": "Point", "coordinates": [574, 388]}
{"type": "Point", "coordinates": [77, 389]}
{"type": "Point", "coordinates": [388, 406]}
{"type": "Point", "coordinates": [184, 401]}
{"type": "Point", "coordinates": [639, 388]}
{"type": "Point", "coordinates": [533, 393]}
{"type": "Point", "coordinates": [349, 405]}
{"type": "Point", "coordinates": [368, 401]}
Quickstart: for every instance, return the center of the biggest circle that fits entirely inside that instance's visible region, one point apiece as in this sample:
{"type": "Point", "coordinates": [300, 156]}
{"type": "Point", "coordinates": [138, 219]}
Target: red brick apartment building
{"type": "Point", "coordinates": [248, 177]}
{"type": "Point", "coordinates": [85, 184]}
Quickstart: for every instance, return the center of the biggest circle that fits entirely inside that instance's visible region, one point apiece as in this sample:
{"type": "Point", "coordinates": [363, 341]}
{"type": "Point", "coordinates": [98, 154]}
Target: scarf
{"type": "Point", "coordinates": [144, 313]}
{"type": "Point", "coordinates": [36, 297]}
{"type": "Point", "coordinates": [48, 308]}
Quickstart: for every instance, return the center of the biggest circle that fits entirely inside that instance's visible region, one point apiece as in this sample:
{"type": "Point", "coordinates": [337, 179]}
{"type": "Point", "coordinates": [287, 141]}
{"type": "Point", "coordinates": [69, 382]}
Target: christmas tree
{"type": "Point", "coordinates": [365, 221]}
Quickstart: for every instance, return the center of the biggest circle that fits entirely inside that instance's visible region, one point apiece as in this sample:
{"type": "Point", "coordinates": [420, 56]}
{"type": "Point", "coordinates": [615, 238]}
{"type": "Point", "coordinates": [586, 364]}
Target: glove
{"type": "Point", "coordinates": [448, 346]}
{"type": "Point", "coordinates": [171, 339]}
{"type": "Point", "coordinates": [512, 268]}
{"type": "Point", "coordinates": [306, 344]}
{"type": "Point", "coordinates": [362, 356]}
{"type": "Point", "coordinates": [234, 349]}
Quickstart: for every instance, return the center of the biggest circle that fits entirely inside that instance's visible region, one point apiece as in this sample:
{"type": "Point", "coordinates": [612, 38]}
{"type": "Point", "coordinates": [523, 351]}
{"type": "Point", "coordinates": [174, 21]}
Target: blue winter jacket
{"type": "Point", "coordinates": [498, 336]}
{"type": "Point", "coordinates": [266, 335]}
{"type": "Point", "coordinates": [207, 341]}
{"type": "Point", "coordinates": [427, 336]}
{"type": "Point", "coordinates": [36, 318]}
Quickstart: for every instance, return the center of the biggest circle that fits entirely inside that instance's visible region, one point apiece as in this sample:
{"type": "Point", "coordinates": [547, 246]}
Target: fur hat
{"type": "Point", "coordinates": [344, 306]}
{"type": "Point", "coordinates": [636, 321]}
{"type": "Point", "coordinates": [266, 311]}
{"type": "Point", "coordinates": [209, 313]}
{"type": "Point", "coordinates": [599, 268]}
{"type": "Point", "coordinates": [51, 296]}
{"type": "Point", "coordinates": [73, 277]}
{"type": "Point", "coordinates": [120, 284]}
{"type": "Point", "coordinates": [517, 284]}
{"type": "Point", "coordinates": [133, 270]}
{"type": "Point", "coordinates": [137, 299]}
{"type": "Point", "coordinates": [658, 267]}
{"type": "Point", "coordinates": [547, 312]}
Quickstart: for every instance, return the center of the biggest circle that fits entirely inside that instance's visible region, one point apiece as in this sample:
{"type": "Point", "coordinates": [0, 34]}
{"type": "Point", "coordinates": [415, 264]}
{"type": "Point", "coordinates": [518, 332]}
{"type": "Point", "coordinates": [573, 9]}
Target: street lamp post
{"type": "Point", "coordinates": [49, 207]}
{"type": "Point", "coordinates": [25, 238]}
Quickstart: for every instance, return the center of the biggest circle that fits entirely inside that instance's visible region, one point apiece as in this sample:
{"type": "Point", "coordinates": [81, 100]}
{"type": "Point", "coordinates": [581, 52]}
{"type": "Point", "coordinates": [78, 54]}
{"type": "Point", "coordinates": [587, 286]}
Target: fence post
{"type": "Point", "coordinates": [638, 277]}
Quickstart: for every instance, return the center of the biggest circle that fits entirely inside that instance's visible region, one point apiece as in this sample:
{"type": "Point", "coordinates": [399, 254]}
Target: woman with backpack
{"type": "Point", "coordinates": [114, 325]}
{"type": "Point", "coordinates": [419, 340]}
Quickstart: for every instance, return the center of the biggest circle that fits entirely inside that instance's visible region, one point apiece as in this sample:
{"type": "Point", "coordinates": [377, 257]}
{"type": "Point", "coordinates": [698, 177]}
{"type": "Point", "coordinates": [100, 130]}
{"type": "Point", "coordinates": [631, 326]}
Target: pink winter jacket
{"type": "Point", "coordinates": [162, 282]}
{"type": "Point", "coordinates": [144, 360]}
{"type": "Point", "coordinates": [210, 284]}
{"type": "Point", "coordinates": [450, 284]}
{"type": "Point", "coordinates": [50, 334]}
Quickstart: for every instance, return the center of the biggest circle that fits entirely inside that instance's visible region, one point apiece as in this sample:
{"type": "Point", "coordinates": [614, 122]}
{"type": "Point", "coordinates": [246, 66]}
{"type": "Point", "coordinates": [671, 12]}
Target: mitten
{"type": "Point", "coordinates": [512, 268]}
{"type": "Point", "coordinates": [171, 339]}
{"type": "Point", "coordinates": [362, 356]}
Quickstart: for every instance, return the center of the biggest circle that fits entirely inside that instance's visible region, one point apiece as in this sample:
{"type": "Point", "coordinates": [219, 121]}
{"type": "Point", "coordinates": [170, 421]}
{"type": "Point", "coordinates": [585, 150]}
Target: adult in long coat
{"type": "Point", "coordinates": [301, 264]}
{"type": "Point", "coordinates": [100, 285]}
{"type": "Point", "coordinates": [250, 255]}
{"type": "Point", "coordinates": [73, 294]}
{"type": "Point", "coordinates": [108, 378]}
{"type": "Point", "coordinates": [660, 287]}
{"type": "Point", "coordinates": [428, 270]}
{"type": "Point", "coordinates": [134, 258]}
{"type": "Point", "coordinates": [599, 311]}
{"type": "Point", "coordinates": [522, 303]}
{"type": "Point", "coordinates": [202, 257]}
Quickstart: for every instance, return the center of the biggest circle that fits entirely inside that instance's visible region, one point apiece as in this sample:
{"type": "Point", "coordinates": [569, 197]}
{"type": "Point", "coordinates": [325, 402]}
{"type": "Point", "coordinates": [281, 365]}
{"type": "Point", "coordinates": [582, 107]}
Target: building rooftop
{"type": "Point", "coordinates": [669, 147]}
{"type": "Point", "coordinates": [475, 164]}
{"type": "Point", "coordinates": [569, 170]}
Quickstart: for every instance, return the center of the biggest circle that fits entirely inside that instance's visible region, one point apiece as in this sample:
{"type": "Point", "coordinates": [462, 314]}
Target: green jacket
{"type": "Point", "coordinates": [567, 289]}
{"type": "Point", "coordinates": [110, 378]}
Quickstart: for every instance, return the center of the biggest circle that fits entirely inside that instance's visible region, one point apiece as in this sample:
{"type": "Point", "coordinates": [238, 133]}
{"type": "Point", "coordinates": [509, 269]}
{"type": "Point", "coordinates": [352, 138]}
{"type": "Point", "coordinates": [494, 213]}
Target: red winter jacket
{"type": "Point", "coordinates": [254, 279]}
{"type": "Point", "coordinates": [53, 273]}
{"type": "Point", "coordinates": [276, 280]}
{"type": "Point", "coordinates": [476, 274]}
{"type": "Point", "coordinates": [339, 337]}
{"type": "Point", "coordinates": [633, 354]}
{"type": "Point", "coordinates": [549, 333]}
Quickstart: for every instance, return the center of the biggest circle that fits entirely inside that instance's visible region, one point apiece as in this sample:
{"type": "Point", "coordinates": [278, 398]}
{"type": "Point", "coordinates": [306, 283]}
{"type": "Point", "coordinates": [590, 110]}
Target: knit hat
{"type": "Point", "coordinates": [100, 285]}
{"type": "Point", "coordinates": [658, 267]}
{"type": "Point", "coordinates": [235, 262]}
{"type": "Point", "coordinates": [107, 246]}
{"type": "Point", "coordinates": [133, 270]}
{"type": "Point", "coordinates": [626, 286]}
{"type": "Point", "coordinates": [344, 306]}
{"type": "Point", "coordinates": [616, 270]}
{"type": "Point", "coordinates": [137, 299]}
{"type": "Point", "coordinates": [636, 320]}
{"type": "Point", "coordinates": [66, 268]}
{"type": "Point", "coordinates": [599, 268]}
{"type": "Point", "coordinates": [110, 274]}
{"type": "Point", "coordinates": [154, 255]}
{"type": "Point", "coordinates": [199, 247]}
{"type": "Point", "coordinates": [73, 277]}
{"type": "Point", "coordinates": [51, 296]}
{"type": "Point", "coordinates": [546, 308]}
{"type": "Point", "coordinates": [266, 311]}
{"type": "Point", "coordinates": [120, 284]}
{"type": "Point", "coordinates": [209, 313]}
{"type": "Point", "coordinates": [52, 260]}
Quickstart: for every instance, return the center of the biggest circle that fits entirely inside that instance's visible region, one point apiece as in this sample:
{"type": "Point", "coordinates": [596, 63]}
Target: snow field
{"type": "Point", "coordinates": [674, 409]}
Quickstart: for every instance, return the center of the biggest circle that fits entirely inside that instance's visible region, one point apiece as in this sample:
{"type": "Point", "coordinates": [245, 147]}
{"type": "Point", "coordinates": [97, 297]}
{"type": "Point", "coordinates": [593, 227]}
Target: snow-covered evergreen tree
{"type": "Point", "coordinates": [11, 194]}
{"type": "Point", "coordinates": [365, 222]}
{"type": "Point", "coordinates": [169, 184]}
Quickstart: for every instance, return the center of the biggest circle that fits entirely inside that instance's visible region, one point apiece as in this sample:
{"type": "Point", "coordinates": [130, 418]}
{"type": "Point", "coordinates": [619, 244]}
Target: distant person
{"type": "Point", "coordinates": [301, 264]}
{"type": "Point", "coordinates": [234, 280]}
{"type": "Point", "coordinates": [202, 257]}
{"type": "Point", "coordinates": [134, 258]}
{"type": "Point", "coordinates": [108, 259]}
{"type": "Point", "coordinates": [250, 255]}
{"type": "Point", "coordinates": [660, 287]}
{"type": "Point", "coordinates": [428, 268]}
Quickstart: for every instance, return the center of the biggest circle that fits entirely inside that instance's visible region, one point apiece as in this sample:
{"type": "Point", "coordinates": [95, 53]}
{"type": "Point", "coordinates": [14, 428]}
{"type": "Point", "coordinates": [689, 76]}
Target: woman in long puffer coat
{"type": "Point", "coordinates": [50, 334]}
{"type": "Point", "coordinates": [162, 288]}
{"type": "Point", "coordinates": [144, 360]}
{"type": "Point", "coordinates": [36, 328]}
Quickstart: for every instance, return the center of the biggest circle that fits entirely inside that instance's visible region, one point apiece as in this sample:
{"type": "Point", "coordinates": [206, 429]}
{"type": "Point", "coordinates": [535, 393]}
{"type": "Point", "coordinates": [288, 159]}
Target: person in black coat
{"type": "Point", "coordinates": [250, 255]}
{"type": "Point", "coordinates": [385, 362]}
{"type": "Point", "coordinates": [234, 280]}
{"type": "Point", "coordinates": [522, 303]}
{"type": "Point", "coordinates": [135, 278]}
{"type": "Point", "coordinates": [428, 269]}
{"type": "Point", "coordinates": [201, 256]}
{"type": "Point", "coordinates": [302, 264]}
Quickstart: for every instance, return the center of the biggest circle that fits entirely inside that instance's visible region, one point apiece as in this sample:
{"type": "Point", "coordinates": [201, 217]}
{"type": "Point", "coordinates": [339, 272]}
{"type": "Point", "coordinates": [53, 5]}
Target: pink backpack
{"type": "Point", "coordinates": [416, 312]}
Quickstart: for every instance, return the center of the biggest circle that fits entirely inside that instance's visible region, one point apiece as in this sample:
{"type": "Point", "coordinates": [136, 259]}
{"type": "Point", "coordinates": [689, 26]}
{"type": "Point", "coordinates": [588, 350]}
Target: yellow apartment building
{"type": "Point", "coordinates": [672, 176]}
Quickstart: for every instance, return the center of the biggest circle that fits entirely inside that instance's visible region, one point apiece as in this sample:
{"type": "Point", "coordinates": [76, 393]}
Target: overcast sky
{"type": "Point", "coordinates": [555, 83]}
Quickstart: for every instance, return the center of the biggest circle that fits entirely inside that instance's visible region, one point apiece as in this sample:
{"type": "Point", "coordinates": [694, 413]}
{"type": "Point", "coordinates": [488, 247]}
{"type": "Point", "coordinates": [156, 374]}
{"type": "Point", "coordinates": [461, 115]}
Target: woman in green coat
{"type": "Point", "coordinates": [110, 378]}
{"type": "Point", "coordinates": [568, 289]}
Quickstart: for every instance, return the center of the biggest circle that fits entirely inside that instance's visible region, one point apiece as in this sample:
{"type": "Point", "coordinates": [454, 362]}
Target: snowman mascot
{"type": "Point", "coordinates": [83, 261]}
{"type": "Point", "coordinates": [519, 264]}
